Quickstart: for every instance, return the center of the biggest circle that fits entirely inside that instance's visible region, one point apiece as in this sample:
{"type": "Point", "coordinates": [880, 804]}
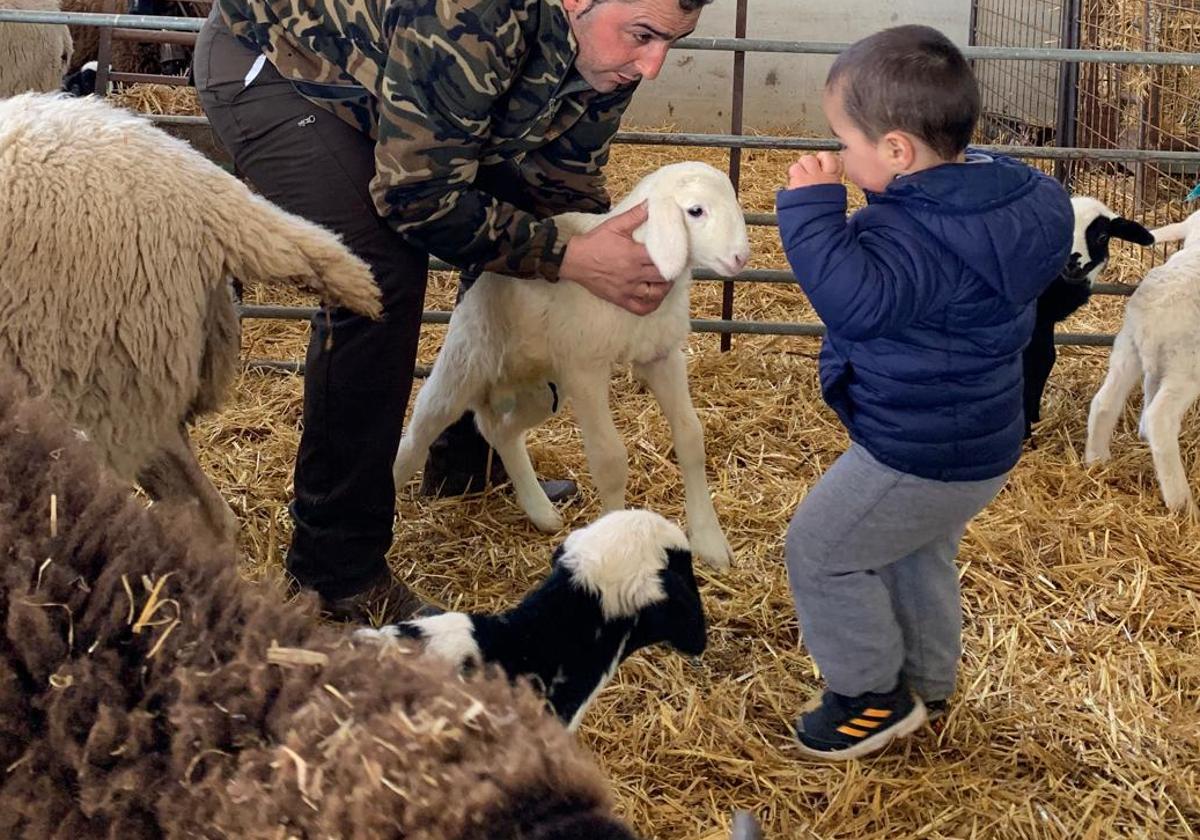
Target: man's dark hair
{"type": "Point", "coordinates": [693, 5]}
{"type": "Point", "coordinates": [912, 79]}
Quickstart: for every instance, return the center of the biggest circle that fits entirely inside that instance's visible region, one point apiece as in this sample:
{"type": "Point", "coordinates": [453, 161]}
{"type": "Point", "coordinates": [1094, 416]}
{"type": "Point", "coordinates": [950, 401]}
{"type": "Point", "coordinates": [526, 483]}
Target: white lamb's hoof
{"type": "Point", "coordinates": [1096, 454]}
{"type": "Point", "coordinates": [547, 520]}
{"type": "Point", "coordinates": [1178, 498]}
{"type": "Point", "coordinates": [711, 546]}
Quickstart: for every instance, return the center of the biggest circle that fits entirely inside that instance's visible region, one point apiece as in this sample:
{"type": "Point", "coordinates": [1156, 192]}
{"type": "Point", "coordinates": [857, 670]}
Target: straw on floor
{"type": "Point", "coordinates": [1078, 714]}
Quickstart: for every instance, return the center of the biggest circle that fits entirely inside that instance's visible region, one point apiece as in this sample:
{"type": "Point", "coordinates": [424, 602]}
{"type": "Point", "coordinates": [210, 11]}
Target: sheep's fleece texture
{"type": "Point", "coordinates": [32, 56]}
{"type": "Point", "coordinates": [116, 244]}
{"type": "Point", "coordinates": [139, 699]}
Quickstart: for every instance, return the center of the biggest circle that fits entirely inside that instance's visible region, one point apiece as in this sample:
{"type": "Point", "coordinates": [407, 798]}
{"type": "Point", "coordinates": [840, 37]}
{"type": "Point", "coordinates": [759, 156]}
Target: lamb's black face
{"type": "Point", "coordinates": [679, 620]}
{"type": "Point", "coordinates": [80, 83]}
{"type": "Point", "coordinates": [1099, 233]}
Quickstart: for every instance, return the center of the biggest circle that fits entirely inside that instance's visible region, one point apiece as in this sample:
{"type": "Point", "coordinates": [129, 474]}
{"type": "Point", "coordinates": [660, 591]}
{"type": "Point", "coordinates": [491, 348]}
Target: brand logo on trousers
{"type": "Point", "coordinates": [309, 120]}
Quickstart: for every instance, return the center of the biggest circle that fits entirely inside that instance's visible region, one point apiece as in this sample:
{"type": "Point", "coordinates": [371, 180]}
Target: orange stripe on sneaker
{"type": "Point", "coordinates": [869, 724]}
{"type": "Point", "coordinates": [878, 713]}
{"type": "Point", "coordinates": [850, 730]}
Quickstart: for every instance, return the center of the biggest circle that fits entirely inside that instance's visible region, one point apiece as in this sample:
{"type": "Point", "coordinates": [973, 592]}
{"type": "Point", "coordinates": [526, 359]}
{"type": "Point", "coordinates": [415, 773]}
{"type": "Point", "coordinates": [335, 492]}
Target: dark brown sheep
{"type": "Point", "coordinates": [147, 691]}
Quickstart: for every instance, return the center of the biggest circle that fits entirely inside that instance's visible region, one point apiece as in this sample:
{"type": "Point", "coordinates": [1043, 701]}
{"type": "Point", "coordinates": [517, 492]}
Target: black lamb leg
{"type": "Point", "coordinates": [1038, 362]}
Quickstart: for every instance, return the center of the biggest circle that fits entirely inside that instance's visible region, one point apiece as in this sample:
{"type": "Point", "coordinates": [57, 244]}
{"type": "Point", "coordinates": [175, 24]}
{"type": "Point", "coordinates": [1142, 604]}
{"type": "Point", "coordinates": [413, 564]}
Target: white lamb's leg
{"type": "Point", "coordinates": [606, 455]}
{"type": "Point", "coordinates": [1164, 416]}
{"type": "Point", "coordinates": [506, 433]}
{"type": "Point", "coordinates": [1124, 368]}
{"type": "Point", "coordinates": [450, 390]}
{"type": "Point", "coordinates": [667, 380]}
{"type": "Point", "coordinates": [1150, 385]}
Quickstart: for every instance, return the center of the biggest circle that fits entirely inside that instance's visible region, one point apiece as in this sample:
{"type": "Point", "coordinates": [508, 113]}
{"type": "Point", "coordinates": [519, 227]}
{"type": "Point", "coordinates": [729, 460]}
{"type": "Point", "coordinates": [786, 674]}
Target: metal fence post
{"type": "Point", "coordinates": [1068, 91]}
{"type": "Point", "coordinates": [735, 155]}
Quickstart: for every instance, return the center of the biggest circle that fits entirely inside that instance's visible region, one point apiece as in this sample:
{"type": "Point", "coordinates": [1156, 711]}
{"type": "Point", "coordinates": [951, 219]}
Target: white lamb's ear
{"type": "Point", "coordinates": [667, 236]}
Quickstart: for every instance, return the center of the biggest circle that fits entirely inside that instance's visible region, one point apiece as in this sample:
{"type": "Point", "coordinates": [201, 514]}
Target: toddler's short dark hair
{"type": "Point", "coordinates": [909, 78]}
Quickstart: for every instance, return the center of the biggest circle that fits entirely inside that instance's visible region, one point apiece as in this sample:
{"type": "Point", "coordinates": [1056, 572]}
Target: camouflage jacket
{"type": "Point", "coordinates": [482, 126]}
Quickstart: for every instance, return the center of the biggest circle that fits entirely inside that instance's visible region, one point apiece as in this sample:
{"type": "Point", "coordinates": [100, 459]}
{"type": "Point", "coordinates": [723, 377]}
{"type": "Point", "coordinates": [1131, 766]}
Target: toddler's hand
{"type": "Point", "coordinates": [821, 168]}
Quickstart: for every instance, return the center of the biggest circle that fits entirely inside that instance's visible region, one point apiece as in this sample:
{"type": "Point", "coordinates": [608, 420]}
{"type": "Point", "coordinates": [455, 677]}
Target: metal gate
{"type": "Point", "coordinates": [1119, 105]}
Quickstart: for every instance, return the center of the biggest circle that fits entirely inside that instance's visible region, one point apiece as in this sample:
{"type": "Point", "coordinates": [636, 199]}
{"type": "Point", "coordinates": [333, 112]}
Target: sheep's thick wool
{"type": "Point", "coordinates": [147, 691]}
{"type": "Point", "coordinates": [116, 244]}
{"type": "Point", "coordinates": [32, 56]}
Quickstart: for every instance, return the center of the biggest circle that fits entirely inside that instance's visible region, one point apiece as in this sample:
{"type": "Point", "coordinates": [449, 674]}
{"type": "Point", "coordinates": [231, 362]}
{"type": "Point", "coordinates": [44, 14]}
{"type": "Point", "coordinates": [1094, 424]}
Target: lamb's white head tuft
{"type": "Point", "coordinates": [695, 220]}
{"type": "Point", "coordinates": [619, 557]}
{"type": "Point", "coordinates": [1087, 210]}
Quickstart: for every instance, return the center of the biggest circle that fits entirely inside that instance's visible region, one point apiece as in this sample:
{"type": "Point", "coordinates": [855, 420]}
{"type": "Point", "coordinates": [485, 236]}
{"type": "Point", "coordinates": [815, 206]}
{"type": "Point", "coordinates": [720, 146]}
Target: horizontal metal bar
{"type": "Point", "coordinates": [1084, 339]}
{"type": "Point", "coordinates": [763, 45]}
{"type": "Point", "coordinates": [754, 275]}
{"type": "Point", "coordinates": [177, 119]}
{"type": "Point", "coordinates": [813, 144]}
{"type": "Point", "coordinates": [422, 371]}
{"type": "Point", "coordinates": [174, 24]}
{"type": "Point", "coordinates": [274, 366]}
{"type": "Point", "coordinates": [149, 79]}
{"type": "Point", "coordinates": [150, 36]}
{"type": "Point", "coordinates": [699, 325]}
{"type": "Point", "coordinates": [744, 45]}
{"type": "Point", "coordinates": [762, 219]}
{"type": "Point", "coordinates": [737, 141]}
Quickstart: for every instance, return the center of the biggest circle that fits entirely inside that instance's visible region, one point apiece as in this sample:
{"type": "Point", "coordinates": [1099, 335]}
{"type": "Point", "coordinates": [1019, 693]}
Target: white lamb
{"type": "Point", "coordinates": [1160, 340]}
{"type": "Point", "coordinates": [515, 347]}
{"type": "Point", "coordinates": [32, 56]}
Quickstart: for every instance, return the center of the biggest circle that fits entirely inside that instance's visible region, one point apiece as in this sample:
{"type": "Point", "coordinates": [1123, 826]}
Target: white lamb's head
{"type": "Point", "coordinates": [694, 221]}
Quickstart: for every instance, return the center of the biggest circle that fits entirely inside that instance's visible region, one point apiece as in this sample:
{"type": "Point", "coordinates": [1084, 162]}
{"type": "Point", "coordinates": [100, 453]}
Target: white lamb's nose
{"type": "Point", "coordinates": [740, 259]}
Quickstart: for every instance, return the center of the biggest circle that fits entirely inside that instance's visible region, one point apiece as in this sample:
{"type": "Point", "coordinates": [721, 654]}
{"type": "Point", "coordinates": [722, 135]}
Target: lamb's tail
{"type": "Point", "coordinates": [273, 246]}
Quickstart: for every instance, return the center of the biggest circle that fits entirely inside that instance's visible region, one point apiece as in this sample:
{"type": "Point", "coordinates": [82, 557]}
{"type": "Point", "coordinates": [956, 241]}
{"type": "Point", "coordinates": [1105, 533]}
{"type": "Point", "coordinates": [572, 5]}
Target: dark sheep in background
{"type": "Point", "coordinates": [146, 691]}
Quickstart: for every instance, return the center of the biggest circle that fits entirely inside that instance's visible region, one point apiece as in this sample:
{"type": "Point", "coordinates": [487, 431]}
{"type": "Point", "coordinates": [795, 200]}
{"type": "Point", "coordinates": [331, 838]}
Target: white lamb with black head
{"type": "Point", "coordinates": [515, 346]}
{"type": "Point", "coordinates": [1095, 227]}
{"type": "Point", "coordinates": [1159, 341]}
{"type": "Point", "coordinates": [623, 583]}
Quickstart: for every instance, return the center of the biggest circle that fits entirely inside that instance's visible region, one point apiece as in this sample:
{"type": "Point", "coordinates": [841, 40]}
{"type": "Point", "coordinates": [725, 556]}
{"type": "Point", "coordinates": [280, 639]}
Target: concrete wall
{"type": "Point", "coordinates": [695, 89]}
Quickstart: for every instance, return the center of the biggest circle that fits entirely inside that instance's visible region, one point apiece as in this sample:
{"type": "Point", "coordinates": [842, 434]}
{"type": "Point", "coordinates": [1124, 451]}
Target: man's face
{"type": "Point", "coordinates": [622, 41]}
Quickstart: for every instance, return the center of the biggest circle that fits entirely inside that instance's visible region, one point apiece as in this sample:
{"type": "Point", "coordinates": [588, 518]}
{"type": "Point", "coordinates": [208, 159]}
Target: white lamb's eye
{"type": "Point", "coordinates": [696, 211]}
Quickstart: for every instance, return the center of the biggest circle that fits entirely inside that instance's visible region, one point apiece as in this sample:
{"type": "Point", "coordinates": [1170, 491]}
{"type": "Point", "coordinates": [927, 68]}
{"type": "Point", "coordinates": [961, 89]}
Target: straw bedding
{"type": "Point", "coordinates": [1079, 707]}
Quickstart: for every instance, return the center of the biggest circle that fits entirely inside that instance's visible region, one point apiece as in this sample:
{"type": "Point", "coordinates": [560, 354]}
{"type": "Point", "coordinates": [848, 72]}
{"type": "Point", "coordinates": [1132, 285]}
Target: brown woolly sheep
{"type": "Point", "coordinates": [146, 691]}
{"type": "Point", "coordinates": [32, 56]}
{"type": "Point", "coordinates": [116, 241]}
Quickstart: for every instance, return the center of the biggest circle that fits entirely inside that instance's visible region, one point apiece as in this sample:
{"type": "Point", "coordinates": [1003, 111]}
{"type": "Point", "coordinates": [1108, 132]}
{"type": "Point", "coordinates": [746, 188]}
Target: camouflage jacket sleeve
{"type": "Point", "coordinates": [567, 175]}
{"type": "Point", "coordinates": [446, 68]}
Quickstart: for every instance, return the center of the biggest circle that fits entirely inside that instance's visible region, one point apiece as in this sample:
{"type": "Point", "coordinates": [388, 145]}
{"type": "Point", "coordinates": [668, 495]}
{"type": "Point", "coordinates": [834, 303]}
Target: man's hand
{"type": "Point", "coordinates": [810, 170]}
{"type": "Point", "coordinates": [609, 264]}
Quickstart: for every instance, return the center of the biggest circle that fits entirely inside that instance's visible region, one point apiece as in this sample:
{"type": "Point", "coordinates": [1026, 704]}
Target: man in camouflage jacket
{"type": "Point", "coordinates": [417, 127]}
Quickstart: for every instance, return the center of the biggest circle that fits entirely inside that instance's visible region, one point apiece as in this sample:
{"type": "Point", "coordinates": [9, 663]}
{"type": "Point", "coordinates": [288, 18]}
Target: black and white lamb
{"type": "Point", "coordinates": [621, 584]}
{"type": "Point", "coordinates": [1095, 227]}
